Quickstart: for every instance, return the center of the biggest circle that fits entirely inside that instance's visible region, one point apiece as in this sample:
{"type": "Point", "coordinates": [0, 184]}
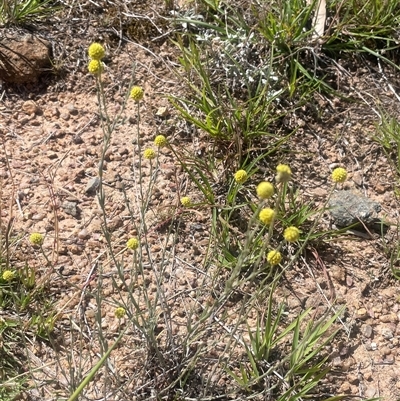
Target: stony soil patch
{"type": "Point", "coordinates": [51, 143]}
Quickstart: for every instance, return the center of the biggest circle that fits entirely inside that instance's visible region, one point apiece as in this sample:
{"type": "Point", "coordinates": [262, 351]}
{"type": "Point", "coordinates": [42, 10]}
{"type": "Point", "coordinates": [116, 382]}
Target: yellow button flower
{"type": "Point", "coordinates": [160, 141]}
{"type": "Point", "coordinates": [339, 175]}
{"type": "Point", "coordinates": [274, 258]}
{"type": "Point", "coordinates": [133, 243]}
{"type": "Point", "coordinates": [265, 190]}
{"type": "Point", "coordinates": [149, 154]}
{"type": "Point", "coordinates": [291, 234]}
{"type": "Point", "coordinates": [95, 67]}
{"type": "Point", "coordinates": [284, 173]}
{"type": "Point", "coordinates": [119, 312]}
{"type": "Point", "coordinates": [136, 93]}
{"type": "Point", "coordinates": [36, 239]}
{"type": "Point", "coordinates": [266, 216]}
{"type": "Point", "coordinates": [240, 176]}
{"type": "Point", "coordinates": [186, 201]}
{"type": "Point", "coordinates": [96, 51]}
{"type": "Point", "coordinates": [8, 275]}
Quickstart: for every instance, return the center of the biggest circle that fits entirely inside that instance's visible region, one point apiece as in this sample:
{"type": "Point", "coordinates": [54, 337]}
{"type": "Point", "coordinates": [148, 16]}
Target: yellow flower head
{"type": "Point", "coordinates": [339, 175]}
{"type": "Point", "coordinates": [186, 201]}
{"type": "Point", "coordinates": [240, 176]}
{"type": "Point", "coordinates": [291, 234]}
{"type": "Point", "coordinates": [149, 154]}
{"type": "Point", "coordinates": [274, 258]}
{"type": "Point", "coordinates": [266, 216]}
{"type": "Point", "coordinates": [36, 239]}
{"type": "Point", "coordinates": [95, 67]}
{"type": "Point", "coordinates": [96, 51]}
{"type": "Point", "coordinates": [160, 141]}
{"type": "Point", "coordinates": [133, 243]}
{"type": "Point", "coordinates": [136, 93]}
{"type": "Point", "coordinates": [283, 173]}
{"type": "Point", "coordinates": [8, 275]}
{"type": "Point", "coordinates": [265, 190]}
{"type": "Point", "coordinates": [119, 312]}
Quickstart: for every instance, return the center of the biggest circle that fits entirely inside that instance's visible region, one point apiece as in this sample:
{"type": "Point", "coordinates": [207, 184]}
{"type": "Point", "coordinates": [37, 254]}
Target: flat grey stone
{"type": "Point", "coordinates": [70, 208]}
{"type": "Point", "coordinates": [92, 185]}
{"type": "Point", "coordinates": [348, 208]}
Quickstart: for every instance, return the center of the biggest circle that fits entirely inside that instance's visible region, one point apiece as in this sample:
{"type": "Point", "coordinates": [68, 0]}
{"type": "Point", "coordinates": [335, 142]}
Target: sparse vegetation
{"type": "Point", "coordinates": [246, 71]}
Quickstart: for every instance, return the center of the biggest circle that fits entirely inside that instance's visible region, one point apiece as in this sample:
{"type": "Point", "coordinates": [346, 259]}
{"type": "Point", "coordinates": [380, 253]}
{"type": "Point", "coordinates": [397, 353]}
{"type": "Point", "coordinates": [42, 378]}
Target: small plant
{"type": "Point", "coordinates": [387, 135]}
{"type": "Point", "coordinates": [304, 369]}
{"type": "Point", "coordinates": [15, 12]}
{"type": "Point", "coordinates": [266, 245]}
{"type": "Point", "coordinates": [374, 30]}
{"type": "Point", "coordinates": [267, 225]}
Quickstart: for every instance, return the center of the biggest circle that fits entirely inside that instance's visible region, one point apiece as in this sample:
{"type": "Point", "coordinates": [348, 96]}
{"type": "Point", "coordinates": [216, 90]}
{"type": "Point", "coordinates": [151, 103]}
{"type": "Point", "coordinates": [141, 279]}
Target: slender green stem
{"type": "Point", "coordinates": [94, 370]}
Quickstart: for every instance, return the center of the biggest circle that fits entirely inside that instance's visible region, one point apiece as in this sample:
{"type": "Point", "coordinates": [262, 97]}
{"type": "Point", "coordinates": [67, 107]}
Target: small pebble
{"type": "Point", "coordinates": [353, 379]}
{"type": "Point", "coordinates": [70, 208]}
{"type": "Point", "coordinates": [345, 388]}
{"type": "Point", "coordinates": [77, 139]}
{"type": "Point", "coordinates": [387, 333]}
{"type": "Point", "coordinates": [92, 185]}
{"type": "Point", "coordinates": [71, 109]}
{"type": "Point", "coordinates": [389, 318]}
{"type": "Point", "coordinates": [30, 107]}
{"type": "Point", "coordinates": [65, 116]}
{"type": "Point", "coordinates": [347, 364]}
{"type": "Point", "coordinates": [366, 330]}
{"type": "Point", "coordinates": [389, 360]}
{"type": "Point", "coordinates": [83, 234]}
{"type": "Point", "coordinates": [90, 313]}
{"type": "Point", "coordinates": [162, 112]}
{"type": "Point", "coordinates": [385, 351]}
{"type": "Point", "coordinates": [362, 314]}
{"type": "Point", "coordinates": [51, 112]}
{"type": "Point", "coordinates": [370, 392]}
{"type": "Point", "coordinates": [38, 216]}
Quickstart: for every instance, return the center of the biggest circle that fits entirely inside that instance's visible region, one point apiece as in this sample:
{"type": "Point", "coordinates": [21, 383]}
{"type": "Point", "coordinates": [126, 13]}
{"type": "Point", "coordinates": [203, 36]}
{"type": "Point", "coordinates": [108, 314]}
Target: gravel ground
{"type": "Point", "coordinates": [52, 140]}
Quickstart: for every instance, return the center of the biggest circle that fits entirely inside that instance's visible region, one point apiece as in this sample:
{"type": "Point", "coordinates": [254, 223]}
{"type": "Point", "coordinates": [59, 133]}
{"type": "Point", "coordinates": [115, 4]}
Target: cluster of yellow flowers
{"type": "Point", "coordinates": [291, 234]}
{"type": "Point", "coordinates": [274, 257]}
{"type": "Point", "coordinates": [283, 173]}
{"type": "Point", "coordinates": [160, 141]}
{"type": "Point", "coordinates": [266, 216]}
{"type": "Point", "coordinates": [265, 190]}
{"type": "Point", "coordinates": [96, 53]}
